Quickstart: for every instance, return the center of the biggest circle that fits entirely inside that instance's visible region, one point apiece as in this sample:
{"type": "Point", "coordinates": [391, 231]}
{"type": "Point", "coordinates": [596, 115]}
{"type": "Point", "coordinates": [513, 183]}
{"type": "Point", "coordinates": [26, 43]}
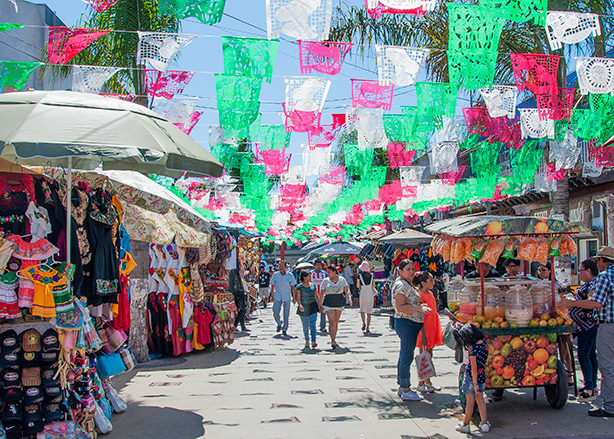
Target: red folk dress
{"type": "Point", "coordinates": [432, 324]}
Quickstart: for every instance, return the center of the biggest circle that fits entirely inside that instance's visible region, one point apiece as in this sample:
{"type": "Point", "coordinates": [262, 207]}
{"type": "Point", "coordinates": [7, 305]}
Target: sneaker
{"type": "Point", "coordinates": [423, 389]}
{"type": "Point", "coordinates": [314, 345]}
{"type": "Point", "coordinates": [306, 345]}
{"type": "Point", "coordinates": [430, 388]}
{"type": "Point", "coordinates": [411, 396]}
{"type": "Point", "coordinates": [463, 428]}
{"type": "Point", "coordinates": [278, 328]}
{"type": "Point", "coordinates": [399, 391]}
{"type": "Point", "coordinates": [587, 395]}
{"type": "Point", "coordinates": [284, 333]}
{"type": "Point", "coordinates": [485, 427]}
{"type": "Point", "coordinates": [323, 330]}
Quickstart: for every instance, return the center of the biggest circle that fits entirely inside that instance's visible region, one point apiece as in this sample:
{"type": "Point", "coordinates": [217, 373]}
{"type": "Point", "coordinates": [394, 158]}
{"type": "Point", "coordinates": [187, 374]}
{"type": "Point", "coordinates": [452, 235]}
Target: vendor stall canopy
{"type": "Point", "coordinates": [491, 225]}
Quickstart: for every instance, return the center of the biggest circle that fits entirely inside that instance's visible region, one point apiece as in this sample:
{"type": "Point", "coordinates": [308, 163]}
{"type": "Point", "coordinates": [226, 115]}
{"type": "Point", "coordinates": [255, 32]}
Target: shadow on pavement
{"type": "Point", "coordinates": [156, 422]}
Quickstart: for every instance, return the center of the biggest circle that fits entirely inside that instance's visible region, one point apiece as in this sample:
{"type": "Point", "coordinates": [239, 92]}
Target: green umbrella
{"type": "Point", "coordinates": [47, 127]}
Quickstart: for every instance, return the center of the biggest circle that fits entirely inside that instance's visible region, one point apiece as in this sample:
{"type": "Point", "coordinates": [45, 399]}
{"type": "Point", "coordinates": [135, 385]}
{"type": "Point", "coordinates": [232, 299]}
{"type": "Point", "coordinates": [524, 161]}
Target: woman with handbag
{"type": "Point", "coordinates": [308, 307]}
{"type": "Point", "coordinates": [367, 291]}
{"type": "Point", "coordinates": [333, 293]}
{"type": "Point", "coordinates": [408, 322]}
{"type": "Point", "coordinates": [431, 334]}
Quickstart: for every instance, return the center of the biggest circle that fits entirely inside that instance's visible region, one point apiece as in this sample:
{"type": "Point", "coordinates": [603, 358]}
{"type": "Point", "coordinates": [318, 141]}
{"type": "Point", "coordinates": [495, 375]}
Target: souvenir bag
{"type": "Point", "coordinates": [63, 430]}
{"type": "Point", "coordinates": [425, 366]}
{"type": "Point", "coordinates": [128, 357]}
{"type": "Point", "coordinates": [103, 424]}
{"type": "Point", "coordinates": [88, 336]}
{"type": "Point", "coordinates": [109, 365]}
{"type": "Point", "coordinates": [117, 402]}
{"type": "Point", "coordinates": [448, 337]}
{"type": "Point", "coordinates": [115, 339]}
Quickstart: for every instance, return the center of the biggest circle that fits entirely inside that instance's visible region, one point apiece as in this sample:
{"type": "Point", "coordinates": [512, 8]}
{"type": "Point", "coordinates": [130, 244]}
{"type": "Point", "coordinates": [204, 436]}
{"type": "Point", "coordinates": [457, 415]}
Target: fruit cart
{"type": "Point", "coordinates": [518, 314]}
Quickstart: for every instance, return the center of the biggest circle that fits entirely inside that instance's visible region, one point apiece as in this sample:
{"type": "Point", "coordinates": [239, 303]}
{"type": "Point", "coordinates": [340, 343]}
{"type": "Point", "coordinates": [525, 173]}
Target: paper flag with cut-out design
{"type": "Point", "coordinates": [315, 161]}
{"type": "Point", "coordinates": [555, 103]}
{"type": "Point", "coordinates": [564, 153]}
{"type": "Point", "coordinates": [249, 56]}
{"type": "Point", "coordinates": [602, 155]}
{"type": "Point", "coordinates": [121, 97]}
{"type": "Point", "coordinates": [276, 161]}
{"type": "Point", "coordinates": [436, 99]}
{"type": "Point", "coordinates": [390, 193]}
{"type": "Point", "coordinates": [563, 27]}
{"type": "Point", "coordinates": [495, 129]}
{"type": "Point", "coordinates": [398, 127]}
{"type": "Point", "coordinates": [371, 94]}
{"type": "Point", "coordinates": [237, 102]}
{"type": "Point", "coordinates": [443, 157]}
{"type": "Point", "coordinates": [525, 161]}
{"type": "Point", "coordinates": [179, 110]}
{"type": "Point", "coordinates": [357, 162]}
{"type": "Point", "coordinates": [376, 8]}
{"type": "Point", "coordinates": [207, 11]}
{"type": "Point", "coordinates": [521, 11]}
{"type": "Point", "coordinates": [301, 121]}
{"type": "Point", "coordinates": [500, 100]}
{"type": "Point", "coordinates": [16, 73]}
{"type": "Point", "coordinates": [101, 5]}
{"type": "Point", "coordinates": [370, 127]}
{"type": "Point", "coordinates": [595, 75]}
{"type": "Point", "coordinates": [399, 155]}
{"type": "Point", "coordinates": [306, 93]}
{"type": "Point", "coordinates": [453, 177]}
{"type": "Point", "coordinates": [65, 42]}
{"type": "Point", "coordinates": [158, 49]}
{"type": "Point", "coordinates": [554, 174]}
{"type": "Point", "coordinates": [8, 26]}
{"type": "Point", "coordinates": [189, 125]}
{"type": "Point", "coordinates": [322, 56]}
{"type": "Point", "coordinates": [399, 65]}
{"type": "Point", "coordinates": [166, 84]}
{"type": "Point", "coordinates": [334, 175]}
{"type": "Point", "coordinates": [535, 72]}
{"type": "Point", "coordinates": [472, 70]}
{"type": "Point", "coordinates": [299, 19]}
{"type": "Point", "coordinates": [269, 136]}
{"type": "Point", "coordinates": [324, 137]}
{"type": "Point", "coordinates": [91, 79]}
{"type": "Point", "coordinates": [534, 127]}
{"type": "Point", "coordinates": [255, 182]}
{"type": "Point", "coordinates": [474, 28]}
{"type": "Point", "coordinates": [585, 123]}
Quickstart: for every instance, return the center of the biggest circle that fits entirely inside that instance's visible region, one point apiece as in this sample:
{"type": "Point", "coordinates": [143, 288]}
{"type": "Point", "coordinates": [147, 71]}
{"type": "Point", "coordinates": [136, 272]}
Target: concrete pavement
{"type": "Point", "coordinates": [268, 386]}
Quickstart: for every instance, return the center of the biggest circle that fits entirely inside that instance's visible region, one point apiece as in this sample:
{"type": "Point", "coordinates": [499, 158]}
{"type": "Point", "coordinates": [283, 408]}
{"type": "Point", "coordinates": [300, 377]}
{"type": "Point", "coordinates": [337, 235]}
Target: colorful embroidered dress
{"type": "Point", "coordinates": [105, 266]}
{"type": "Point", "coordinates": [8, 296]}
{"type": "Point", "coordinates": [30, 254]}
{"type": "Point", "coordinates": [45, 282]}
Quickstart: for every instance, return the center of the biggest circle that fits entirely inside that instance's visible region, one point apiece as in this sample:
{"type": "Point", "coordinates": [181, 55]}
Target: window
{"type": "Point", "coordinates": [591, 248]}
{"type": "Point", "coordinates": [596, 210]}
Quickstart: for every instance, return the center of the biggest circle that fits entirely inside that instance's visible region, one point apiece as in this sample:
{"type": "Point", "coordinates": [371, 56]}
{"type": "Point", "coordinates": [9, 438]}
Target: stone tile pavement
{"type": "Point", "coordinates": [267, 386]}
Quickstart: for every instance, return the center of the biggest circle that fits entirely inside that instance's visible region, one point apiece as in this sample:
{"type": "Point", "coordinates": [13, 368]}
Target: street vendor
{"type": "Point", "coordinates": [602, 302]}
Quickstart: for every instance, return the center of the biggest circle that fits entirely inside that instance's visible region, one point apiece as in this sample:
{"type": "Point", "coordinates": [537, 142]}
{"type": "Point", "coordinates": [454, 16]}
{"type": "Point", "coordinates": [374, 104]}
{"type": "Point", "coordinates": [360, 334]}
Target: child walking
{"type": "Point", "coordinates": [474, 381]}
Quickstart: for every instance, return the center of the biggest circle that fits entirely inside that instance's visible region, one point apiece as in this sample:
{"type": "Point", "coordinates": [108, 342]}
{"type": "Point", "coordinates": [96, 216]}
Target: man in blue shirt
{"type": "Point", "coordinates": [602, 302]}
{"type": "Point", "coordinates": [282, 291]}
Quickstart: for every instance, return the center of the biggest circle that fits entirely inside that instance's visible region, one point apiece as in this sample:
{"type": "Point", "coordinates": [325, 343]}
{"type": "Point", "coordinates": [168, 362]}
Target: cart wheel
{"type": "Point", "coordinates": [557, 393]}
{"type": "Point", "coordinates": [497, 394]}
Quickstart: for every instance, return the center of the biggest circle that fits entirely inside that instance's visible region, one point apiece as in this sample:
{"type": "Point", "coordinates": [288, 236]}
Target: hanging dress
{"type": "Point", "coordinates": [45, 282]}
{"type": "Point", "coordinates": [105, 266]}
{"type": "Point", "coordinates": [8, 296]}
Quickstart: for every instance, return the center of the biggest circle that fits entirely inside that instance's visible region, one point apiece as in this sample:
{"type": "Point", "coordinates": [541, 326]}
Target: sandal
{"type": "Point", "coordinates": [367, 331]}
{"type": "Point", "coordinates": [586, 395]}
{"type": "Point", "coordinates": [363, 327]}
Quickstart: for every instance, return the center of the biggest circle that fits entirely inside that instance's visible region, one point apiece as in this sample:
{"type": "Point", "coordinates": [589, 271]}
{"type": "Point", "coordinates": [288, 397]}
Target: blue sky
{"type": "Point", "coordinates": [205, 55]}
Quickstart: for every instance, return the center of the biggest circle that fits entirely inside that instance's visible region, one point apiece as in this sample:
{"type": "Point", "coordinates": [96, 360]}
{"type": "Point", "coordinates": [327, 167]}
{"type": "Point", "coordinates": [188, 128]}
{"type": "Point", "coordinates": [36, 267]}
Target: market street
{"type": "Point", "coordinates": [263, 386]}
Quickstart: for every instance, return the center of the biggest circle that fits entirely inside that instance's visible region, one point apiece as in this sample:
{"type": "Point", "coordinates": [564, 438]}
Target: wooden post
{"type": "Point", "coordinates": [482, 286]}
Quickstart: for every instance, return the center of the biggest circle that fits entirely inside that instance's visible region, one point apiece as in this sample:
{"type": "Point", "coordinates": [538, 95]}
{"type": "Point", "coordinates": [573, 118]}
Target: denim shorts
{"type": "Point", "coordinates": [468, 386]}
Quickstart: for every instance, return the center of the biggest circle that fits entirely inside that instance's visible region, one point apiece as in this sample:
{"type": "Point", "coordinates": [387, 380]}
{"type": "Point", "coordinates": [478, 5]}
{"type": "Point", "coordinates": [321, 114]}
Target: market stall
{"type": "Point", "coordinates": [518, 314]}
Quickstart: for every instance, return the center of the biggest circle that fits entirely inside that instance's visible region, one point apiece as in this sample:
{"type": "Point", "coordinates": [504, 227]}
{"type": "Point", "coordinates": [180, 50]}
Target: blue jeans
{"type": "Point", "coordinates": [322, 321]}
{"type": "Point", "coordinates": [408, 331]}
{"type": "Point", "coordinates": [309, 324]}
{"type": "Point", "coordinates": [277, 308]}
{"type": "Point", "coordinates": [587, 356]}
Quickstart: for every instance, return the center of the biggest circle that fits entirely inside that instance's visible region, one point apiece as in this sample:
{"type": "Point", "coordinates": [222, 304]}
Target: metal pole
{"type": "Point", "coordinates": [482, 285]}
{"type": "Point", "coordinates": [68, 213]}
{"type": "Point", "coordinates": [553, 284]}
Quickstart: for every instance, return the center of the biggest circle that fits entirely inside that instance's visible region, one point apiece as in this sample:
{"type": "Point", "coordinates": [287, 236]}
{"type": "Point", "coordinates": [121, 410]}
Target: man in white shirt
{"type": "Point", "coordinates": [317, 277]}
{"type": "Point", "coordinates": [282, 291]}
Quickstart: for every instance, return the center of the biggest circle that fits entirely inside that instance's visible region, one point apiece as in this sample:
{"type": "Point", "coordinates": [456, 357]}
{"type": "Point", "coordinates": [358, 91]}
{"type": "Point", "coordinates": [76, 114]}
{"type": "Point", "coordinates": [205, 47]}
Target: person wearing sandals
{"type": "Point", "coordinates": [334, 291]}
{"type": "Point", "coordinates": [367, 291]}
{"type": "Point", "coordinates": [587, 330]}
{"type": "Point", "coordinates": [431, 334]}
{"type": "Point", "coordinates": [308, 307]}
{"type": "Point", "coordinates": [408, 321]}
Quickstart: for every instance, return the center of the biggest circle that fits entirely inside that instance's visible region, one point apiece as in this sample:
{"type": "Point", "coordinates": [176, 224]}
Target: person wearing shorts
{"type": "Point", "coordinates": [334, 291]}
